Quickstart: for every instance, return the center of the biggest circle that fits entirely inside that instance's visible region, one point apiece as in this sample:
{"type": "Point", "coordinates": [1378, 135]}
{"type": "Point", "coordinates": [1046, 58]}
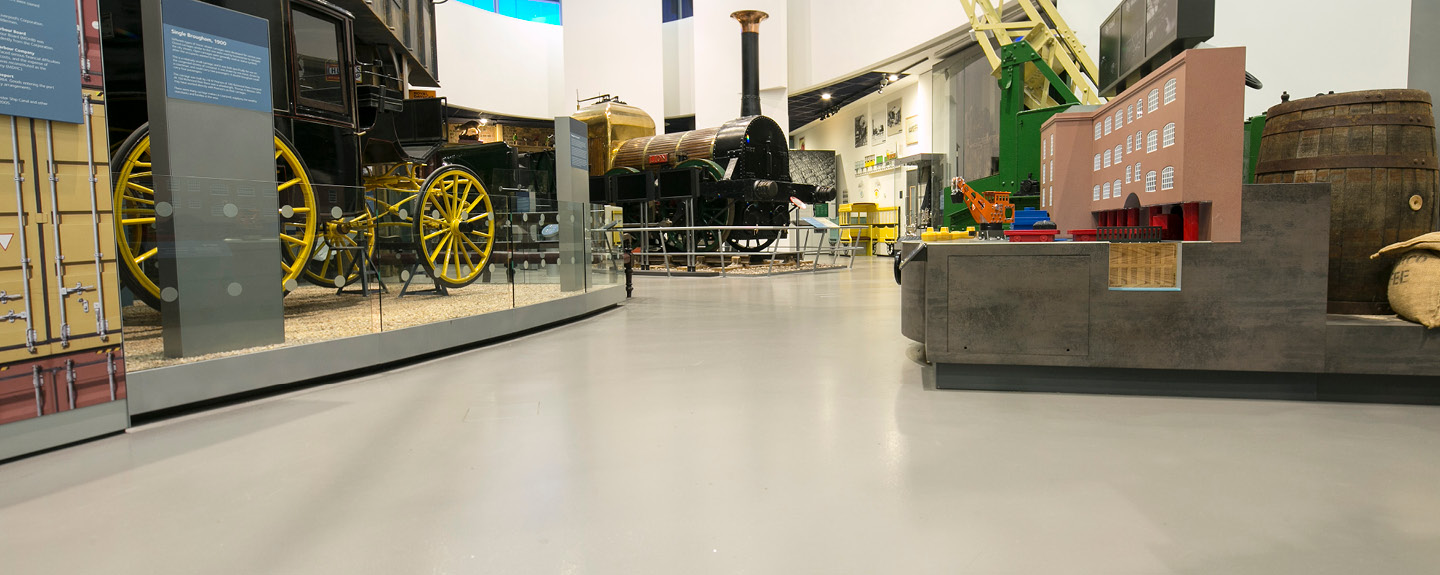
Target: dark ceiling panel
{"type": "Point", "coordinates": [808, 106]}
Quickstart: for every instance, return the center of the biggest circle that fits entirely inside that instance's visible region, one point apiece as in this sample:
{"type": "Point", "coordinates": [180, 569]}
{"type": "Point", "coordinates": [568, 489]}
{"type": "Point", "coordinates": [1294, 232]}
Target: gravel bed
{"type": "Point", "coordinates": [314, 314]}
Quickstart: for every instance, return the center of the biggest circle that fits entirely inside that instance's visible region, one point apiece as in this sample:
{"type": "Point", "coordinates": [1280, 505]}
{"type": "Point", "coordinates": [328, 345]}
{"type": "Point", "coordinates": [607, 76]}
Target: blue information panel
{"type": "Point", "coordinates": [40, 61]}
{"type": "Point", "coordinates": [216, 56]}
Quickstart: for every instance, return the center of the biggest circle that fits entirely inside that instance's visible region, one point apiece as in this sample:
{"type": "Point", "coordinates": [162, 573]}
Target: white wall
{"type": "Point", "coordinates": [837, 133]}
{"type": "Point", "coordinates": [679, 38]}
{"type": "Point", "coordinates": [613, 47]}
{"type": "Point", "coordinates": [1301, 46]}
{"type": "Point", "coordinates": [519, 82]}
{"type": "Point", "coordinates": [835, 39]}
{"type": "Point", "coordinates": [717, 58]}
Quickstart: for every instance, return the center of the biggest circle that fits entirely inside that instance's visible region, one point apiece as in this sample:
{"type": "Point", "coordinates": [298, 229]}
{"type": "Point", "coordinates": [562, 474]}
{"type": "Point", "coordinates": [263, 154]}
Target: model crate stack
{"type": "Point", "coordinates": [59, 297]}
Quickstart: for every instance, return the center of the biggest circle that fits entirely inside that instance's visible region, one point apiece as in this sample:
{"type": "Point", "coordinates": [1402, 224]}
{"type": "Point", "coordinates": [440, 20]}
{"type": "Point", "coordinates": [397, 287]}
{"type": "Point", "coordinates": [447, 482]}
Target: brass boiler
{"type": "Point", "coordinates": [609, 124]}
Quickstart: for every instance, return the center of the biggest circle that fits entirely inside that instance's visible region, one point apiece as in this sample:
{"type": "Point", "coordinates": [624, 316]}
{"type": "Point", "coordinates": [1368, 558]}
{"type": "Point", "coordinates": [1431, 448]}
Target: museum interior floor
{"type": "Point", "coordinates": [756, 425]}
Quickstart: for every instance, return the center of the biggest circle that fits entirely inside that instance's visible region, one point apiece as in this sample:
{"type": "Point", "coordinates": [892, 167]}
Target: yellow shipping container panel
{"type": "Point", "coordinates": [65, 292]}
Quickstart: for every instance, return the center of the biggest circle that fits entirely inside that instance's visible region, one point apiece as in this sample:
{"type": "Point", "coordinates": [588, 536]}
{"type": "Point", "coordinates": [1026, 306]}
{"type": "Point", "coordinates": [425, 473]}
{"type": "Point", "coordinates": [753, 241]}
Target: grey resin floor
{"type": "Point", "coordinates": [736, 425]}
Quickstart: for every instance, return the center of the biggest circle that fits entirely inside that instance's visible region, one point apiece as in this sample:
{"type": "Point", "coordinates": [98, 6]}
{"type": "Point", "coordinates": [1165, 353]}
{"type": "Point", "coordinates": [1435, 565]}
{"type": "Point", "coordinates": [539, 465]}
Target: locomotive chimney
{"type": "Point", "coordinates": [749, 60]}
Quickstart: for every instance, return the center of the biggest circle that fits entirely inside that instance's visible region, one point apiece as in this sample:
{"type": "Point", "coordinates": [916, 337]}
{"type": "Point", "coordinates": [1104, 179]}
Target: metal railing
{"type": "Point", "coordinates": [804, 233]}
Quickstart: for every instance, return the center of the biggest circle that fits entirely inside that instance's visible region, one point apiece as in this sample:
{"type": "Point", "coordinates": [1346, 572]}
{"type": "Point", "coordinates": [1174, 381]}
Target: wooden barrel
{"type": "Point", "coordinates": [1377, 150]}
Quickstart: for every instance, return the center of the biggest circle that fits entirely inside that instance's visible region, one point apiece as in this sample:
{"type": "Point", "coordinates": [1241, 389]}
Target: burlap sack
{"type": "Point", "coordinates": [1415, 281]}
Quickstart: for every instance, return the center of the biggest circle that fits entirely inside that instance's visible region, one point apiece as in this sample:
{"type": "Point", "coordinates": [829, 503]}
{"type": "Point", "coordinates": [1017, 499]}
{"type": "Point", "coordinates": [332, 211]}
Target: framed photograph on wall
{"type": "Point", "coordinates": [912, 130]}
{"type": "Point", "coordinates": [862, 131]}
{"type": "Point", "coordinates": [894, 122]}
{"type": "Point", "coordinates": [877, 129]}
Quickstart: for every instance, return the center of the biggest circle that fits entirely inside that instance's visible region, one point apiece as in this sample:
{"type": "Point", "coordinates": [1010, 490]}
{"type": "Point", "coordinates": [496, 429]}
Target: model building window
{"type": "Point", "coordinates": [1140, 108]}
{"type": "Point", "coordinates": [1150, 181]}
{"type": "Point", "coordinates": [1137, 171]}
{"type": "Point", "coordinates": [1130, 114]}
{"type": "Point", "coordinates": [1117, 153]}
{"type": "Point", "coordinates": [1098, 129]}
{"type": "Point", "coordinates": [1117, 188]}
{"type": "Point", "coordinates": [1108, 126]}
{"type": "Point", "coordinates": [1167, 178]}
{"type": "Point", "coordinates": [1151, 140]}
{"type": "Point", "coordinates": [1127, 174]}
{"type": "Point", "coordinates": [1097, 192]}
{"type": "Point", "coordinates": [1052, 143]}
{"type": "Point", "coordinates": [1170, 134]}
{"type": "Point", "coordinates": [1042, 173]}
{"type": "Point", "coordinates": [1105, 191]}
{"type": "Point", "coordinates": [1097, 162]}
{"type": "Point", "coordinates": [1129, 144]}
{"type": "Point", "coordinates": [1154, 99]}
{"type": "Point", "coordinates": [1170, 90]}
{"type": "Point", "coordinates": [1107, 158]}
{"type": "Point", "coordinates": [1052, 171]}
{"type": "Point", "coordinates": [1119, 118]}
{"type": "Point", "coordinates": [1042, 147]}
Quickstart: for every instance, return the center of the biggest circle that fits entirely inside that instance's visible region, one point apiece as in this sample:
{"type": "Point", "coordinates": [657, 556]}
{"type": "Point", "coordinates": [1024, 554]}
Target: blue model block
{"type": "Point", "coordinates": [1025, 219]}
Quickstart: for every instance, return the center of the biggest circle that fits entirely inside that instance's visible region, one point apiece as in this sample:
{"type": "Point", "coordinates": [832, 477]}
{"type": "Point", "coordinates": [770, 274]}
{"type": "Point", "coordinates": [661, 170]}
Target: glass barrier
{"type": "Point", "coordinates": [221, 276]}
{"type": "Point", "coordinates": [236, 267]}
{"type": "Point", "coordinates": [604, 246]}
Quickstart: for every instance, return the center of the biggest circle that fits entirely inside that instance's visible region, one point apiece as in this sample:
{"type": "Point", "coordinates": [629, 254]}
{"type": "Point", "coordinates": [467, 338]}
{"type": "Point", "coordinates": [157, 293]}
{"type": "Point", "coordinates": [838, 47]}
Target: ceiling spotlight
{"type": "Point", "coordinates": [484, 121]}
{"type": "Point", "coordinates": [894, 77]}
{"type": "Point", "coordinates": [825, 96]}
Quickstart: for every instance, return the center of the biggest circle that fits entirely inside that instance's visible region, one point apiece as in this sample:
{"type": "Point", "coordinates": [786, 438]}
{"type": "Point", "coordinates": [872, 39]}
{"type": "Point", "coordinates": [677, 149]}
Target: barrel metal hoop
{"type": "Point", "coordinates": [1344, 162]}
{"type": "Point", "coordinates": [1364, 97]}
{"type": "Point", "coordinates": [1282, 127]}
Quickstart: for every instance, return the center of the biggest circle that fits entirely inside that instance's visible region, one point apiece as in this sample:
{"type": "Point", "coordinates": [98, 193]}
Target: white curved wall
{"type": "Point", "coordinates": [499, 64]}
{"type": "Point", "coordinates": [614, 47]}
{"type": "Point", "coordinates": [1301, 46]}
{"type": "Point", "coordinates": [835, 39]}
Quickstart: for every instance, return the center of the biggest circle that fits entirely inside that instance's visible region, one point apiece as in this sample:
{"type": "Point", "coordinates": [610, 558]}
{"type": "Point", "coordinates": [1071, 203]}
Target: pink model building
{"type": "Point", "coordinates": [1166, 152]}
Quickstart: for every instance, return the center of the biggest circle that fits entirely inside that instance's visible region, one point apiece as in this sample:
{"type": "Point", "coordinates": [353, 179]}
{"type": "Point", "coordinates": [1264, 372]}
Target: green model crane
{"type": "Point", "coordinates": [1042, 69]}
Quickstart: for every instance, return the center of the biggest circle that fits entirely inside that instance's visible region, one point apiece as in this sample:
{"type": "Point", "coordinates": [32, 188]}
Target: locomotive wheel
{"type": "Point", "coordinates": [710, 168]}
{"type": "Point", "coordinates": [324, 266]}
{"type": "Point", "coordinates": [454, 226]}
{"type": "Point", "coordinates": [750, 214]}
{"type": "Point", "coordinates": [134, 202]}
{"type": "Point", "coordinates": [712, 212]}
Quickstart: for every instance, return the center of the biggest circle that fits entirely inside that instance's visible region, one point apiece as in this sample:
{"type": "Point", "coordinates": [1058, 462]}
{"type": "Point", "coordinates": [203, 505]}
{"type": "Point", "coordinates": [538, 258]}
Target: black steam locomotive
{"type": "Point", "coordinates": [737, 174]}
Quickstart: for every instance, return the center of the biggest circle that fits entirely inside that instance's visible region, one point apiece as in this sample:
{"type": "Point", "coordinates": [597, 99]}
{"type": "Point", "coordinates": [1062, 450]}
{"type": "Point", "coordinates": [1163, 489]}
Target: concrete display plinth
{"type": "Point", "coordinates": [1247, 320]}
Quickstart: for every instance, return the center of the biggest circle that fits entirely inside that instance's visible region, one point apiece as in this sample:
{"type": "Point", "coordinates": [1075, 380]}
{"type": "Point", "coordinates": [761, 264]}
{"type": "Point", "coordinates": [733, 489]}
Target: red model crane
{"type": "Point", "coordinates": [986, 207]}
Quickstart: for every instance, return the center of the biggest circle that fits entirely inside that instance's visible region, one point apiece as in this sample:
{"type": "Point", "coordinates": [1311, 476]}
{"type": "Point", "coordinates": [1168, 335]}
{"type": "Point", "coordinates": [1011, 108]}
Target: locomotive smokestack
{"type": "Point", "coordinates": [750, 60]}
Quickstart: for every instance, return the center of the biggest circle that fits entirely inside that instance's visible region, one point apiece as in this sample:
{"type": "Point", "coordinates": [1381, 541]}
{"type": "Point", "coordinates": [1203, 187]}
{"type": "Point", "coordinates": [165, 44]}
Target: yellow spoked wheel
{"type": "Point", "coordinates": [327, 264]}
{"type": "Point", "coordinates": [454, 226]}
{"type": "Point", "coordinates": [134, 201]}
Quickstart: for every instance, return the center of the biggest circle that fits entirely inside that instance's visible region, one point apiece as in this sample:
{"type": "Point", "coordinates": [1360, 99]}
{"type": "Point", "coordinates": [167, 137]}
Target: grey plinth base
{"type": "Point", "coordinates": [41, 433]}
{"type": "Point", "coordinates": [1191, 383]}
{"type": "Point", "coordinates": [1247, 319]}
{"type": "Point", "coordinates": [174, 386]}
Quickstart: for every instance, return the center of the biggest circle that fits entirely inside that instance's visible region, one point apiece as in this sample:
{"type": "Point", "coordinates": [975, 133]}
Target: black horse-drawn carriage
{"type": "Point", "coordinates": [357, 163]}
